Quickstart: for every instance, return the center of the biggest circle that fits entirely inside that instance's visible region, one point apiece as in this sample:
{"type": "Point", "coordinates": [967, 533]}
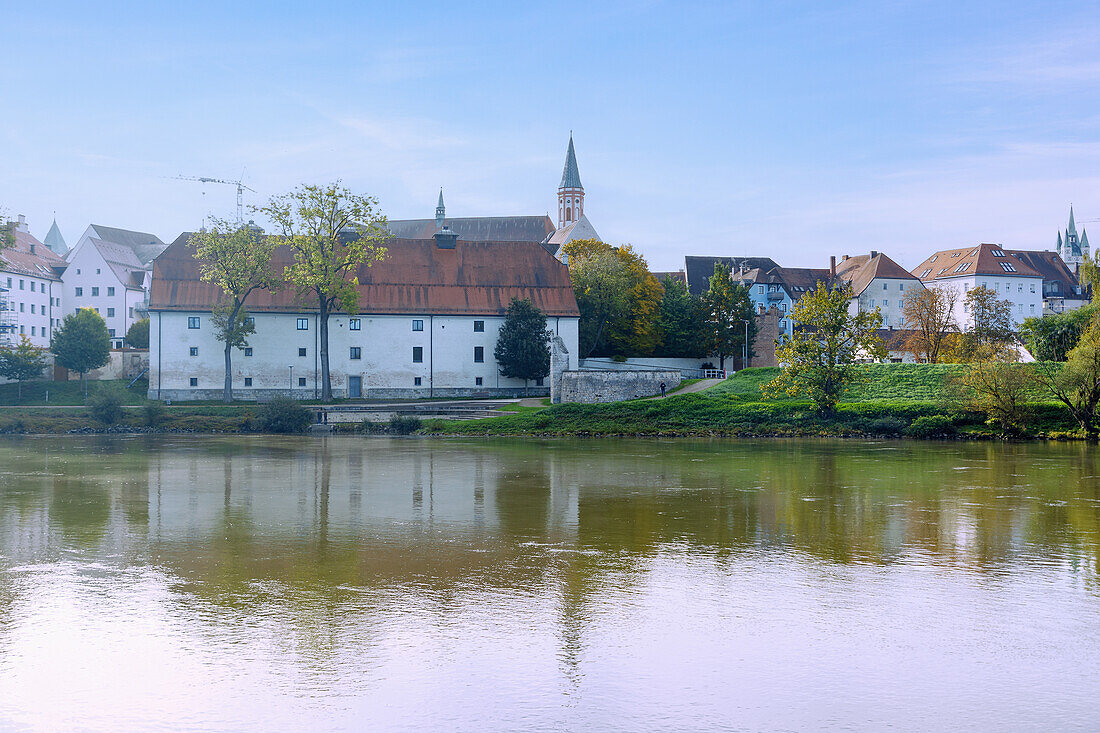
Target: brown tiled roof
{"type": "Point", "coordinates": [18, 258]}
{"type": "Point", "coordinates": [677, 275]}
{"type": "Point", "coordinates": [977, 260]}
{"type": "Point", "coordinates": [699, 269]}
{"type": "Point", "coordinates": [894, 338]}
{"type": "Point", "coordinates": [1048, 264]}
{"type": "Point", "coordinates": [862, 269]}
{"type": "Point", "coordinates": [798, 281]}
{"type": "Point", "coordinates": [478, 228]}
{"type": "Point", "coordinates": [417, 277]}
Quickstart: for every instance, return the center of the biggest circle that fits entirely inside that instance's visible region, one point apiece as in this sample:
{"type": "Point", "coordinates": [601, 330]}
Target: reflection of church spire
{"type": "Point", "coordinates": [440, 210]}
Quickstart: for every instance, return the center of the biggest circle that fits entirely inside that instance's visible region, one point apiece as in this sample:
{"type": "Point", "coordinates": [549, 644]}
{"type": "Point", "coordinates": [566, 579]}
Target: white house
{"type": "Point", "coordinates": [878, 282]}
{"type": "Point", "coordinates": [109, 270]}
{"type": "Point", "coordinates": [30, 276]}
{"type": "Point", "coordinates": [426, 326]}
{"type": "Point", "coordinates": [985, 265]}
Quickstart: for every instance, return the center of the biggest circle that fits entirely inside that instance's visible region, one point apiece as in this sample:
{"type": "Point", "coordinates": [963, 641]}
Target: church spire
{"type": "Point", "coordinates": [55, 241]}
{"type": "Point", "coordinates": [1072, 228]}
{"type": "Point", "coordinates": [440, 210]}
{"type": "Point", "coordinates": [570, 190]}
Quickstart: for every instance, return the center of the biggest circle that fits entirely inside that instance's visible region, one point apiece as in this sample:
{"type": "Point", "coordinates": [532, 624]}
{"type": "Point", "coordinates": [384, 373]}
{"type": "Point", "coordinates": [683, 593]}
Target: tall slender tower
{"type": "Point", "coordinates": [1069, 246]}
{"type": "Point", "coordinates": [440, 211]}
{"type": "Point", "coordinates": [570, 191]}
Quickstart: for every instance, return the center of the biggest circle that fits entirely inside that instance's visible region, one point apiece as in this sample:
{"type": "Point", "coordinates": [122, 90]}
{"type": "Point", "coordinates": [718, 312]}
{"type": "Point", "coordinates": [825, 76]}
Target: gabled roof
{"type": "Point", "coordinates": [798, 281]}
{"type": "Point", "coordinates": [699, 269]}
{"type": "Point", "coordinates": [42, 263]}
{"type": "Point", "coordinates": [145, 246]}
{"type": "Point", "coordinates": [570, 176]}
{"type": "Point", "coordinates": [674, 274]}
{"type": "Point", "coordinates": [123, 262]}
{"type": "Point", "coordinates": [580, 229]}
{"type": "Point", "coordinates": [416, 278]}
{"type": "Point", "coordinates": [478, 228]}
{"type": "Point", "coordinates": [861, 270]}
{"type": "Point", "coordinates": [1048, 264]}
{"type": "Point", "coordinates": [982, 259]}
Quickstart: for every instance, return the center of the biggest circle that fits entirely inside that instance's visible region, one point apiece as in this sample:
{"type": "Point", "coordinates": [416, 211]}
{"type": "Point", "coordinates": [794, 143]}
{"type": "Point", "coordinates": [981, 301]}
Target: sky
{"type": "Point", "coordinates": [795, 130]}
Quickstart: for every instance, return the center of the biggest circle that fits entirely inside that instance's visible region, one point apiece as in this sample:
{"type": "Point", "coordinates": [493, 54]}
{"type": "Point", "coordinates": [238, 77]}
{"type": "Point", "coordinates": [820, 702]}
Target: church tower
{"type": "Point", "coordinates": [1073, 250]}
{"type": "Point", "coordinates": [440, 211]}
{"type": "Point", "coordinates": [570, 191]}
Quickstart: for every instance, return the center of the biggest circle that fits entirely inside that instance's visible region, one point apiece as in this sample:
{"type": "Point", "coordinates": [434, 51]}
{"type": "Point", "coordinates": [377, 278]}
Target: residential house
{"type": "Point", "coordinates": [30, 275]}
{"type": "Point", "coordinates": [985, 265]}
{"type": "Point", "coordinates": [427, 324]}
{"type": "Point", "coordinates": [1062, 291]}
{"type": "Point", "coordinates": [878, 282]}
{"type": "Point", "coordinates": [110, 270]}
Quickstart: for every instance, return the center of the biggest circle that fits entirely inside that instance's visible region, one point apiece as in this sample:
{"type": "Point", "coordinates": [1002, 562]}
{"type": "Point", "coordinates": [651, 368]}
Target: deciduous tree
{"type": "Point", "coordinates": [683, 321]}
{"type": "Point", "coordinates": [817, 359]}
{"type": "Point", "coordinates": [1051, 338]}
{"type": "Point", "coordinates": [1076, 384]}
{"type": "Point", "coordinates": [929, 315]}
{"type": "Point", "coordinates": [236, 258]}
{"type": "Point", "coordinates": [137, 335]}
{"type": "Point", "coordinates": [730, 316]}
{"type": "Point", "coordinates": [522, 347]}
{"type": "Point", "coordinates": [22, 362]}
{"type": "Point", "coordinates": [995, 386]}
{"type": "Point", "coordinates": [82, 343]}
{"type": "Point", "coordinates": [991, 323]}
{"type": "Point", "coordinates": [332, 232]}
{"type": "Point", "coordinates": [602, 286]}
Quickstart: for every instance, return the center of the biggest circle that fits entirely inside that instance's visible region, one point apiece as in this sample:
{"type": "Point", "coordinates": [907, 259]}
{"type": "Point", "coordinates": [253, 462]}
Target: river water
{"type": "Point", "coordinates": [259, 583]}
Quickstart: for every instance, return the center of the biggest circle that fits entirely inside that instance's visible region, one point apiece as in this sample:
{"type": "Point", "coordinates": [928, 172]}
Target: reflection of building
{"type": "Point", "coordinates": [427, 324]}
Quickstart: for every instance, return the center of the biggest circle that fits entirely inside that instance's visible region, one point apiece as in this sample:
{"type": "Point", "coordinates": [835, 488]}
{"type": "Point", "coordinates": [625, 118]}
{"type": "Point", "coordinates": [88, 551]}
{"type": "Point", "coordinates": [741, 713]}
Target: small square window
{"type": "Point", "coordinates": [110, 292]}
{"type": "Point", "coordinates": [131, 310]}
{"type": "Point", "coordinates": [248, 381]}
{"type": "Point", "coordinates": [250, 322]}
{"type": "Point", "coordinates": [192, 321]}
{"type": "Point", "coordinates": [478, 381]}
{"type": "Point", "coordinates": [248, 351]}
{"type": "Point", "coordinates": [32, 285]}
{"type": "Point", "coordinates": [356, 352]}
{"type": "Point", "coordinates": [479, 354]}
{"type": "Point", "coordinates": [97, 270]}
{"type": "Point", "coordinates": [194, 351]}
{"type": "Point", "coordinates": [355, 324]}
{"type": "Point", "coordinates": [417, 381]}
{"type": "Point", "coordinates": [418, 325]}
{"type": "Point", "coordinates": [80, 292]}
{"type": "Point", "coordinates": [301, 381]}
{"type": "Point", "coordinates": [32, 308]}
{"type": "Point", "coordinates": [95, 292]}
{"type": "Point", "coordinates": [885, 286]}
{"type": "Point", "coordinates": [110, 312]}
{"type": "Point", "coordinates": [418, 355]}
{"type": "Point", "coordinates": [194, 381]}
{"type": "Point", "coordinates": [301, 352]}
{"type": "Point", "coordinates": [479, 326]}
{"type": "Point", "coordinates": [539, 382]}
{"type": "Point", "coordinates": [303, 324]}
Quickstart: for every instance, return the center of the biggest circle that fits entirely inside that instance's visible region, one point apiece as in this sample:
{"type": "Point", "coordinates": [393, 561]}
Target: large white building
{"type": "Point", "coordinates": [990, 266]}
{"type": "Point", "coordinates": [109, 270]}
{"type": "Point", "coordinates": [427, 325]}
{"type": "Point", "coordinates": [878, 283]}
{"type": "Point", "coordinates": [30, 278]}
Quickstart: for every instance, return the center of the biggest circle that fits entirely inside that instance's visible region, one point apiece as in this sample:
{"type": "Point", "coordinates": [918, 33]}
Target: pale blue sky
{"type": "Point", "coordinates": [795, 130]}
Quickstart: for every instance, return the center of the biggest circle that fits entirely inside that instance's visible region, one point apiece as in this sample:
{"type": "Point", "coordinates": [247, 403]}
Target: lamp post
{"type": "Point", "coordinates": [291, 368]}
{"type": "Point", "coordinates": [745, 346]}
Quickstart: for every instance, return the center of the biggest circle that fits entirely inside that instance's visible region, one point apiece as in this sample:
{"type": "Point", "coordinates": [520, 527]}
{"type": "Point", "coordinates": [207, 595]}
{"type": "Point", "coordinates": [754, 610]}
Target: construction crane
{"type": "Point", "coordinates": [241, 188]}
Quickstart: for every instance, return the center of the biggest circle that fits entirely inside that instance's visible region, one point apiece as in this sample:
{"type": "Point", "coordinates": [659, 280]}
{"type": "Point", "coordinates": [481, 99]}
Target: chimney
{"type": "Point", "coordinates": [845, 259]}
{"type": "Point", "coordinates": [874, 254]}
{"type": "Point", "coordinates": [445, 238]}
{"type": "Point", "coordinates": [832, 266]}
{"type": "Point", "coordinates": [21, 224]}
{"type": "Point", "coordinates": [32, 248]}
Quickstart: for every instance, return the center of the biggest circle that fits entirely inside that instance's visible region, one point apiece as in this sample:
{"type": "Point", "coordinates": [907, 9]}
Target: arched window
{"type": "Point", "coordinates": [568, 214]}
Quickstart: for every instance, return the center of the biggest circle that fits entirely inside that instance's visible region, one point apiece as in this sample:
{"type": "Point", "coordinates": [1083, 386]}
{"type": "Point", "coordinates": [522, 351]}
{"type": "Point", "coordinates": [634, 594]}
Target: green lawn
{"type": "Point", "coordinates": [906, 382]}
{"type": "Point", "coordinates": [67, 393]}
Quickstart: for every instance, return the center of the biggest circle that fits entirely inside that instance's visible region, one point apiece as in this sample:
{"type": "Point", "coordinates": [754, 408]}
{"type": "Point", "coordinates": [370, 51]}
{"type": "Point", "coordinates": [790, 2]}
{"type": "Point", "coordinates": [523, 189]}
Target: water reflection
{"type": "Point", "coordinates": [524, 564]}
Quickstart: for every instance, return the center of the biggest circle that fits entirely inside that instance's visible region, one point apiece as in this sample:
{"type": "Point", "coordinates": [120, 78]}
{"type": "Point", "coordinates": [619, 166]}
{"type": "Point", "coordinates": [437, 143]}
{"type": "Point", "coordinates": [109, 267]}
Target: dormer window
{"type": "Point", "coordinates": [998, 253]}
{"type": "Point", "coordinates": [1008, 267]}
{"type": "Point", "coordinates": [963, 267]}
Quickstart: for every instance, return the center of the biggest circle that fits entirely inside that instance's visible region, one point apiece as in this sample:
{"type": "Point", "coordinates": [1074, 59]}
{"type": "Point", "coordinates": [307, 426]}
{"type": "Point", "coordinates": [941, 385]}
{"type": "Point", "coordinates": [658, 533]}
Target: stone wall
{"type": "Point", "coordinates": [601, 386]}
{"type": "Point", "coordinates": [767, 331]}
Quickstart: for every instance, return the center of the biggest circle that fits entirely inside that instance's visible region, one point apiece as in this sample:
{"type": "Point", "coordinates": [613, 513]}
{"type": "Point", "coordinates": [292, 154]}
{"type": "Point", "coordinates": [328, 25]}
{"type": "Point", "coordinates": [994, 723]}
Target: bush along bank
{"type": "Point", "coordinates": [701, 415]}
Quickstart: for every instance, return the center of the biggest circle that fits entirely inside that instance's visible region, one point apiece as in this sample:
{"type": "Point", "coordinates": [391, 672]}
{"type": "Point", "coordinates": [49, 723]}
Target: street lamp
{"type": "Point", "coordinates": [291, 368]}
{"type": "Point", "coordinates": [745, 346]}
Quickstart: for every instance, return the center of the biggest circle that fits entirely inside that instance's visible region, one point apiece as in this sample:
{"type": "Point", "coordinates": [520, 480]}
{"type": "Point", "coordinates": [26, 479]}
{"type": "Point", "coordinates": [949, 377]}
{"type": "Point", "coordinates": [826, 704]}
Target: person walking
{"type": "Point", "coordinates": [662, 389]}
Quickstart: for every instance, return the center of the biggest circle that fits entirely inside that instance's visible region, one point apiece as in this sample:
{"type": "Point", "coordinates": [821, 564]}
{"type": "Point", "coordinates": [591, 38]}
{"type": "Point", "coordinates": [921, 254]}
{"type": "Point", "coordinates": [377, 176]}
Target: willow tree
{"type": "Point", "coordinates": [236, 258]}
{"type": "Point", "coordinates": [332, 232]}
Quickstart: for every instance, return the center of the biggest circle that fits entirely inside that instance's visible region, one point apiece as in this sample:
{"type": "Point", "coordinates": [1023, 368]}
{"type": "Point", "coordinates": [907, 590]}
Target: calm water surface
{"type": "Point", "coordinates": [340, 583]}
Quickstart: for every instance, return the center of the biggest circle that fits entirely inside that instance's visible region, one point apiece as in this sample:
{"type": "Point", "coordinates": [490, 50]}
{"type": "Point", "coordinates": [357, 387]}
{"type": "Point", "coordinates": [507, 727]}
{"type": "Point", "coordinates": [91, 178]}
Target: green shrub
{"type": "Point", "coordinates": [404, 424]}
{"type": "Point", "coordinates": [105, 404]}
{"type": "Point", "coordinates": [283, 415]}
{"type": "Point", "coordinates": [932, 426]}
{"type": "Point", "coordinates": [154, 414]}
{"type": "Point", "coordinates": [370, 427]}
{"type": "Point", "coordinates": [887, 426]}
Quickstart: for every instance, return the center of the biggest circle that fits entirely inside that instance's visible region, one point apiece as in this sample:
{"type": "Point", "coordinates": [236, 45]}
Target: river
{"type": "Point", "coordinates": [260, 583]}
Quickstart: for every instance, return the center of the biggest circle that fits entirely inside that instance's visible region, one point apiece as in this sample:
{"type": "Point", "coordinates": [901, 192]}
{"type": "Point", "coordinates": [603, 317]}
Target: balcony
{"type": "Point", "coordinates": [775, 295]}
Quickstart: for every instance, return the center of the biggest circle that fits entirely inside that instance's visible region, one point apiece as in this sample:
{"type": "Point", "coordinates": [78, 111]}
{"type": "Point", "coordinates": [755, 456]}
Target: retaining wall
{"type": "Point", "coordinates": [608, 386]}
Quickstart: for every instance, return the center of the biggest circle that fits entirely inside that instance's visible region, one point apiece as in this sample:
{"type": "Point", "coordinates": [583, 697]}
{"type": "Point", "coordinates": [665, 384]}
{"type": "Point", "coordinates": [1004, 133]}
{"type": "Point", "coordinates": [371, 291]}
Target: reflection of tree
{"type": "Point", "coordinates": [80, 507]}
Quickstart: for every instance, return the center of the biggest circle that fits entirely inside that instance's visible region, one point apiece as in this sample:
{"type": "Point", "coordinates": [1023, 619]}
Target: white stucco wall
{"type": "Point", "coordinates": [385, 367]}
{"type": "Point", "coordinates": [36, 311]}
{"type": "Point", "coordinates": [87, 270]}
{"type": "Point", "coordinates": [1024, 293]}
{"type": "Point", "coordinates": [888, 295]}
